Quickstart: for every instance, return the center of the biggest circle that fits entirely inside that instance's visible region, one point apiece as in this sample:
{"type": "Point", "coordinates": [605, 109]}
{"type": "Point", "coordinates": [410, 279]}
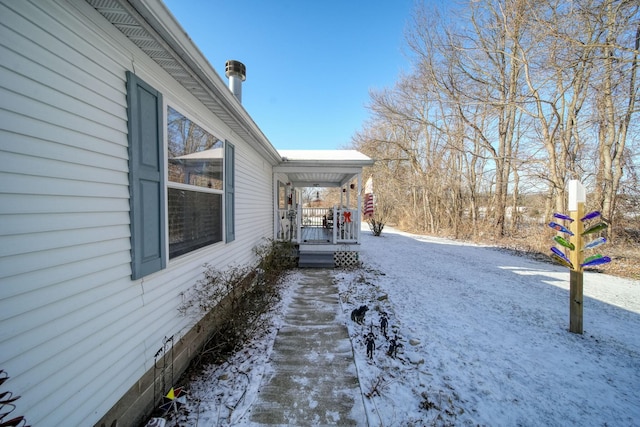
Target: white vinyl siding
{"type": "Point", "coordinates": [76, 332]}
{"type": "Point", "coordinates": [64, 228]}
{"type": "Point", "coordinates": [254, 208]}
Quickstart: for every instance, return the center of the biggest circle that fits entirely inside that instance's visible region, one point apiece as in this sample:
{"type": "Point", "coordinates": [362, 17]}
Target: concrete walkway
{"type": "Point", "coordinates": [313, 380]}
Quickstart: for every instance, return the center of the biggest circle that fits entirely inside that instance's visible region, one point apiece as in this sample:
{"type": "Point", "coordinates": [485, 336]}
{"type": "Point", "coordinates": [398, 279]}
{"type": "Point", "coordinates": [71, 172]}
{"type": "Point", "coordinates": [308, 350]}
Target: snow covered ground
{"type": "Point", "coordinates": [484, 339]}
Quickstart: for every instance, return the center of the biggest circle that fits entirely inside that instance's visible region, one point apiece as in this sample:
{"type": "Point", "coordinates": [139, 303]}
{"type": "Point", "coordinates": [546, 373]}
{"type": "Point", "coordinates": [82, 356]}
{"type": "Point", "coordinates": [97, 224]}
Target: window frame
{"type": "Point", "coordinates": [181, 109]}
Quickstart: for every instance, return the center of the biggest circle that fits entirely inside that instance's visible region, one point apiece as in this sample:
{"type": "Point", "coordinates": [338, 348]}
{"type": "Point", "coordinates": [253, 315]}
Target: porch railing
{"type": "Point", "coordinates": [347, 228]}
{"type": "Point", "coordinates": [342, 224]}
{"type": "Point", "coordinates": [315, 217]}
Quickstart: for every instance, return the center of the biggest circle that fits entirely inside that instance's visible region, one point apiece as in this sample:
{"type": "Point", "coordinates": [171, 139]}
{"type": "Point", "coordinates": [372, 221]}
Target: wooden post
{"type": "Point", "coordinates": [576, 211]}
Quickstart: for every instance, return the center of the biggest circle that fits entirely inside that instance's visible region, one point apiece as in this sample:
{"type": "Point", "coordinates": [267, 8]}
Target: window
{"type": "Point", "coordinates": [199, 168]}
{"type": "Point", "coordinates": [195, 185]}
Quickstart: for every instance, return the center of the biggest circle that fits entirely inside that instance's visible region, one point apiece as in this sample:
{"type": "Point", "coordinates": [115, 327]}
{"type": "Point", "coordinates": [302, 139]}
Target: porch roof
{"type": "Point", "coordinates": [322, 168]}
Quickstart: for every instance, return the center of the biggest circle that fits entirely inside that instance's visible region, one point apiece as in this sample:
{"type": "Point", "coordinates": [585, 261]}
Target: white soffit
{"type": "Point", "coordinates": [322, 168]}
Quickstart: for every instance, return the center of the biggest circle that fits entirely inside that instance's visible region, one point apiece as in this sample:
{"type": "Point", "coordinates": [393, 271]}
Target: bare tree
{"type": "Point", "coordinates": [618, 92]}
{"type": "Point", "coordinates": [520, 95]}
{"type": "Point", "coordinates": [482, 79]}
{"type": "Point", "coordinates": [558, 70]}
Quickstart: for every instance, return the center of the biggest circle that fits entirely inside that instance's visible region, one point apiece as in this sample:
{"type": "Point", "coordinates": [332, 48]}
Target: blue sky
{"type": "Point", "coordinates": [310, 64]}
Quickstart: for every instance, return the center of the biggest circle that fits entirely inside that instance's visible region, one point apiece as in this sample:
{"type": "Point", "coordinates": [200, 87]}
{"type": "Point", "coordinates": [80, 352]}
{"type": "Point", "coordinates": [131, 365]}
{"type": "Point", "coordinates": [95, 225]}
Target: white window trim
{"type": "Point", "coordinates": [182, 109]}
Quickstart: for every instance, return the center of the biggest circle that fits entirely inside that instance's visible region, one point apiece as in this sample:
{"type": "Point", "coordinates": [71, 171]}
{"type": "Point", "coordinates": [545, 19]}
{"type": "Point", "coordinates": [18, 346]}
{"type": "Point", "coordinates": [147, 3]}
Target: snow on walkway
{"type": "Point", "coordinates": [312, 379]}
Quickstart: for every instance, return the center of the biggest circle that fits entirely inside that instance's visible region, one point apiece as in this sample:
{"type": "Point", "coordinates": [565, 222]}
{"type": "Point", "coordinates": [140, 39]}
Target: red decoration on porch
{"type": "Point", "coordinates": [347, 217]}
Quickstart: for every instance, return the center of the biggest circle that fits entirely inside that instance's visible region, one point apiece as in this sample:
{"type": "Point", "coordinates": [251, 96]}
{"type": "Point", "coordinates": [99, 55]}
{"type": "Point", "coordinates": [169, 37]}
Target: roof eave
{"type": "Point", "coordinates": [158, 21]}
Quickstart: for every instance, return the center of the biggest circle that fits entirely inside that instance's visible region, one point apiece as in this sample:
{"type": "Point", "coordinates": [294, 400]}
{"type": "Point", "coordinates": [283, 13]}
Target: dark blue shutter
{"type": "Point", "coordinates": [229, 192]}
{"type": "Point", "coordinates": [146, 177]}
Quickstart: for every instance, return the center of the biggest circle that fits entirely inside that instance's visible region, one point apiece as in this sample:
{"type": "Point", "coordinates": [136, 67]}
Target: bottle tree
{"type": "Point", "coordinates": [574, 241]}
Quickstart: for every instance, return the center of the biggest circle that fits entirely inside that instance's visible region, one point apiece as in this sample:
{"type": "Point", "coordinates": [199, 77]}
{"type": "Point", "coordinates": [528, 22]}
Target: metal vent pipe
{"type": "Point", "coordinates": [236, 72]}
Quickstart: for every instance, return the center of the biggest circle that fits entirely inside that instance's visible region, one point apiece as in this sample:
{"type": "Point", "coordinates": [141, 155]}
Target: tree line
{"type": "Point", "coordinates": [503, 103]}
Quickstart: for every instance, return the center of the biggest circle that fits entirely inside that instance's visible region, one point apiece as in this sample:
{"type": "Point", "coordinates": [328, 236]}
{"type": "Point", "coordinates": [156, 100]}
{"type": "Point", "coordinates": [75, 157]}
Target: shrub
{"type": "Point", "coordinates": [212, 288]}
{"type": "Point", "coordinates": [237, 297]}
{"type": "Point", "coordinates": [275, 258]}
{"type": "Point", "coordinates": [376, 226]}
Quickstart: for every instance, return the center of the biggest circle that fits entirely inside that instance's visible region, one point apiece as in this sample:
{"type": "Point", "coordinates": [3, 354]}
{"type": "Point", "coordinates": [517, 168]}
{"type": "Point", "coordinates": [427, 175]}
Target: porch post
{"type": "Point", "coordinates": [299, 223]}
{"type": "Point", "coordinates": [359, 206]}
{"type": "Point", "coordinates": [276, 218]}
{"type": "Point", "coordinates": [334, 229]}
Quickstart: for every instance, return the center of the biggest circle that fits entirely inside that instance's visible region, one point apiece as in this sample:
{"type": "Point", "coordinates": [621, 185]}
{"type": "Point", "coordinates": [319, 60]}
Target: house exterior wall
{"type": "Point", "coordinates": [75, 331]}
